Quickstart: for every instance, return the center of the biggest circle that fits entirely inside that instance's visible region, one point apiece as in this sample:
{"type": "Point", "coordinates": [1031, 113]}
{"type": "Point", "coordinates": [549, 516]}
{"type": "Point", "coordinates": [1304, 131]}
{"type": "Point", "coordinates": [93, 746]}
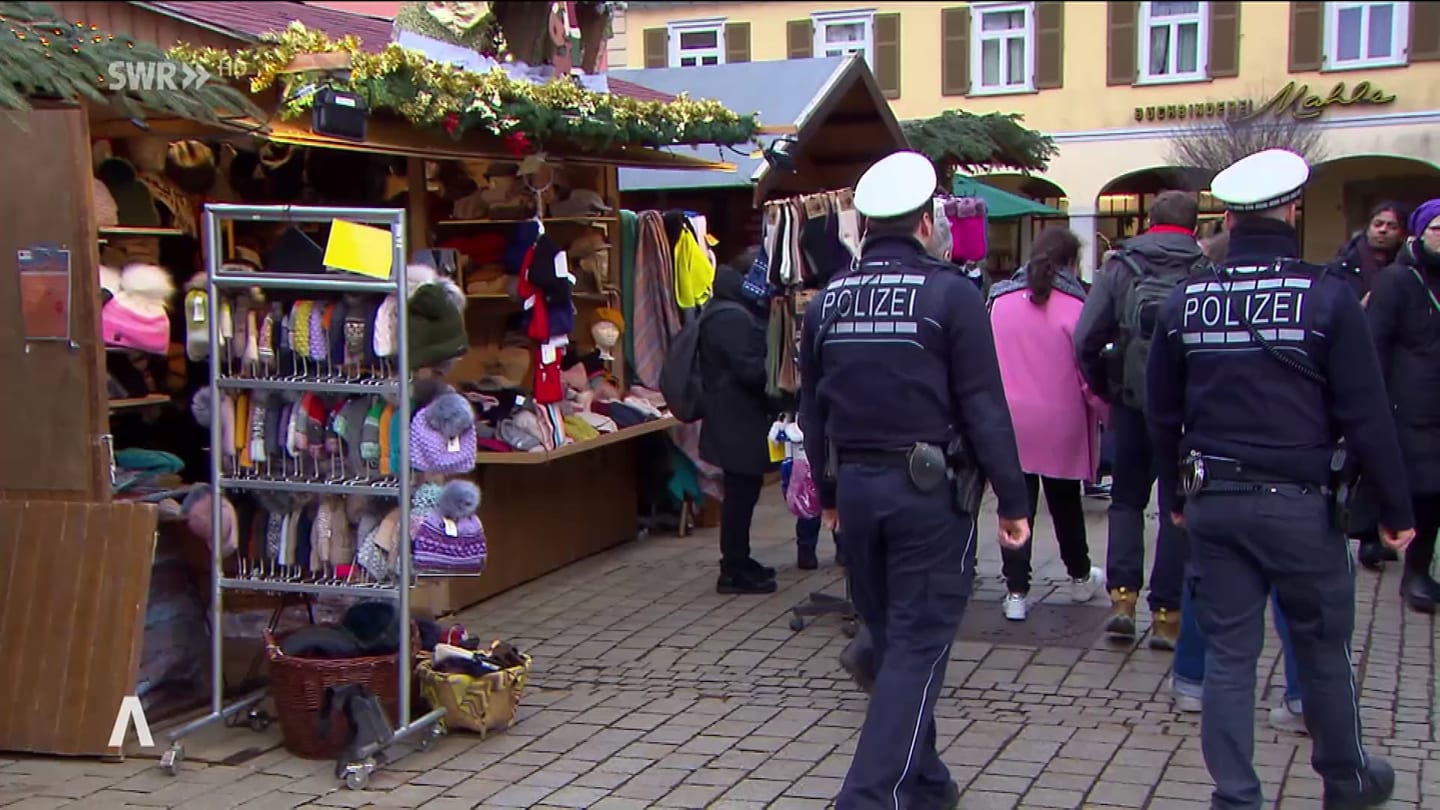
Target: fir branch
{"type": "Point", "coordinates": [957, 139]}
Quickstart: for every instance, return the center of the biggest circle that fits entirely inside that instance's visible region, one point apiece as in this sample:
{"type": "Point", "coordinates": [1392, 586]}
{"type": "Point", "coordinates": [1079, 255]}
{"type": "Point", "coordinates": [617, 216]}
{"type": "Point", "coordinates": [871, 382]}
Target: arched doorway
{"type": "Point", "coordinates": [1010, 239]}
{"type": "Point", "coordinates": [1343, 190]}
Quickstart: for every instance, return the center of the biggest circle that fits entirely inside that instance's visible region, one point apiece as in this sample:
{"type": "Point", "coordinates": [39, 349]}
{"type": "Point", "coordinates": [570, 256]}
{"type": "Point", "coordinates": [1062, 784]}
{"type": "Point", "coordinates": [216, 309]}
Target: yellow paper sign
{"type": "Point", "coordinates": [361, 249]}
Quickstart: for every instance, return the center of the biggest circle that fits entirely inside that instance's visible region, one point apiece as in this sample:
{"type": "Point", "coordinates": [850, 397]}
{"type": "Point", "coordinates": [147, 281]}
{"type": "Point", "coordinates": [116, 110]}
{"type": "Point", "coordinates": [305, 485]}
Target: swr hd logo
{"type": "Point", "coordinates": [147, 76]}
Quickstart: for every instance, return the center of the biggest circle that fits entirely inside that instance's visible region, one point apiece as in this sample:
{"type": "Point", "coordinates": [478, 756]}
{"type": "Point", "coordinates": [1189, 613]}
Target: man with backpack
{"type": "Point", "coordinates": [1112, 345]}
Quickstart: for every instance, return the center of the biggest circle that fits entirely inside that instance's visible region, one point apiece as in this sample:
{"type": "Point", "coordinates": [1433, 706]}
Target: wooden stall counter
{"type": "Point", "coordinates": [545, 510]}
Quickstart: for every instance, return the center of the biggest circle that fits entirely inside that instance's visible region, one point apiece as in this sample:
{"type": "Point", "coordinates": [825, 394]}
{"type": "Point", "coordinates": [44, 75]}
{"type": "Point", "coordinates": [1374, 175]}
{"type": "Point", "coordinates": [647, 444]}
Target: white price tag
{"type": "Point", "coordinates": [453, 446]}
{"type": "Point", "coordinates": [451, 530]}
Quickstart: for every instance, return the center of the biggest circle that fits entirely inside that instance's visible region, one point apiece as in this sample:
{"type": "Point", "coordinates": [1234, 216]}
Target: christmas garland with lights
{"type": "Point", "coordinates": [431, 94]}
{"type": "Point", "coordinates": [43, 56]}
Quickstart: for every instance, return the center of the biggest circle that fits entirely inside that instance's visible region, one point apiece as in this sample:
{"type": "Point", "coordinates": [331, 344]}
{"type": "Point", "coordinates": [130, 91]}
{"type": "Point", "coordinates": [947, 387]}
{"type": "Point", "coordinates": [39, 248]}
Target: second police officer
{"type": "Point", "coordinates": [1255, 376]}
{"type": "Point", "coordinates": [897, 363]}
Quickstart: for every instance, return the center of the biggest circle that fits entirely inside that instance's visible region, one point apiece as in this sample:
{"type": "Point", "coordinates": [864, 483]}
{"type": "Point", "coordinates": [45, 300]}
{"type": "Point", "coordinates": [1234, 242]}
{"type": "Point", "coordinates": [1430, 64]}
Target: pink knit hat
{"type": "Point", "coordinates": [137, 317]}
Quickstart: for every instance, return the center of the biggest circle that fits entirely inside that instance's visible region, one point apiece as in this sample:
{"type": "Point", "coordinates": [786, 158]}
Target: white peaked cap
{"type": "Point", "coordinates": [896, 185]}
{"type": "Point", "coordinates": [1262, 181]}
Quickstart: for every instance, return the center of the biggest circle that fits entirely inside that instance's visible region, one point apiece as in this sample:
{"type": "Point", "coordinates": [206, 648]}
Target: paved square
{"type": "Point", "coordinates": [652, 691]}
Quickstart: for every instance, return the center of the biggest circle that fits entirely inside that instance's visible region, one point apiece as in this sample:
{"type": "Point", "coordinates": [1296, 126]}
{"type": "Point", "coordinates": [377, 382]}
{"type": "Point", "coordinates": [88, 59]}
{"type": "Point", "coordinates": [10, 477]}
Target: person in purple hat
{"type": "Point", "coordinates": [1404, 315]}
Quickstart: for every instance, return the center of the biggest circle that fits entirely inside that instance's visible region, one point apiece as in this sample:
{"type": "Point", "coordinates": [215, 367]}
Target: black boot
{"type": "Point", "coordinates": [762, 571]}
{"type": "Point", "coordinates": [741, 579]}
{"type": "Point", "coordinates": [1419, 591]}
{"type": "Point", "coordinates": [806, 559]}
{"type": "Point", "coordinates": [1379, 784]}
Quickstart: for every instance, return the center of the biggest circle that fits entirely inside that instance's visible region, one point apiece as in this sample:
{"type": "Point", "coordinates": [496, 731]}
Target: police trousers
{"type": "Point", "coordinates": [911, 566]}
{"type": "Point", "coordinates": [1244, 544]}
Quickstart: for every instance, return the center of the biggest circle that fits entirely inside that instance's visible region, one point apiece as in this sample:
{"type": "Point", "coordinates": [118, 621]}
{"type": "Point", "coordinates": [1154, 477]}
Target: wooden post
{"type": "Point", "coordinates": [417, 215]}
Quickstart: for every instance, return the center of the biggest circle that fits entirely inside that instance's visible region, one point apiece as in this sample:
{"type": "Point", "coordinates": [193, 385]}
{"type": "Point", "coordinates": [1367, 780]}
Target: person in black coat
{"type": "Point", "coordinates": [738, 414]}
{"type": "Point", "coordinates": [1404, 315]}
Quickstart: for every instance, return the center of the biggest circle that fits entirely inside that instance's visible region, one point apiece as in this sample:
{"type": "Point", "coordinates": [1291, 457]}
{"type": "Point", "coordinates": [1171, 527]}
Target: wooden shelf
{"type": "Point", "coordinates": [575, 448]}
{"type": "Point", "coordinates": [121, 231]}
{"type": "Point", "coordinates": [139, 402]}
{"type": "Point", "coordinates": [580, 296]}
{"type": "Point", "coordinates": [596, 220]}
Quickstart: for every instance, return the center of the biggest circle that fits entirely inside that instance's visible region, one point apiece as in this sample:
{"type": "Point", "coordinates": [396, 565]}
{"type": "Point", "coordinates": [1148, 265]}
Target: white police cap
{"type": "Point", "coordinates": [896, 185]}
{"type": "Point", "coordinates": [1261, 181]}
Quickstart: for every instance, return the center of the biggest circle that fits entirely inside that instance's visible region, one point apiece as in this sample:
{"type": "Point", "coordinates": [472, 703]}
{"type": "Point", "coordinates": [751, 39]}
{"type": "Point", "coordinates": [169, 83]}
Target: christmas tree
{"type": "Point", "coordinates": [45, 57]}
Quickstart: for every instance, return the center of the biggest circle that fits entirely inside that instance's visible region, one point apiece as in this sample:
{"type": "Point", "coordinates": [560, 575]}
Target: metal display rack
{"type": "Point", "coordinates": [297, 479]}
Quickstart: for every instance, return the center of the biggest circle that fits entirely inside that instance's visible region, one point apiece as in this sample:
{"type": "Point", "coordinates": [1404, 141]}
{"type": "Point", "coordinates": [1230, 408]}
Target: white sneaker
{"type": "Point", "coordinates": [1083, 590]}
{"type": "Point", "coordinates": [1016, 606]}
{"type": "Point", "coordinates": [1282, 719]}
{"type": "Point", "coordinates": [1186, 704]}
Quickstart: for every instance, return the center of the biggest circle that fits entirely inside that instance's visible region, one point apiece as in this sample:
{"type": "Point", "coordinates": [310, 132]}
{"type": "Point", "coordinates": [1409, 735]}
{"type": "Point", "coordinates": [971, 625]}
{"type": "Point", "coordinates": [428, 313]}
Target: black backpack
{"type": "Point", "coordinates": [682, 379]}
{"type": "Point", "coordinates": [1139, 309]}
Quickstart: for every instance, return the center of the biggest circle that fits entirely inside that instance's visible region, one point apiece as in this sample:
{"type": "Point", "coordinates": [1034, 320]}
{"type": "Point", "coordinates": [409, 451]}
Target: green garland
{"type": "Point", "coordinates": [434, 95]}
{"type": "Point", "coordinates": [957, 139]}
{"type": "Point", "coordinates": [44, 56]}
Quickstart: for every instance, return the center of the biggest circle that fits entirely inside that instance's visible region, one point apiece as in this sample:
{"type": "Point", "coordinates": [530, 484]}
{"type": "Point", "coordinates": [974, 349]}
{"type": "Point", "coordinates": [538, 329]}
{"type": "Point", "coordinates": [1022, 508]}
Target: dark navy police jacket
{"type": "Point", "coordinates": [1213, 389]}
{"type": "Point", "coordinates": [907, 357]}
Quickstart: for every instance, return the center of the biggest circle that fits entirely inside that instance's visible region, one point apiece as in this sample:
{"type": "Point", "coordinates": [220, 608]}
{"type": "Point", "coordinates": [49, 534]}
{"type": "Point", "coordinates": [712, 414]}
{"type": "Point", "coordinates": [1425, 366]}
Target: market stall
{"type": "Point", "coordinates": [79, 554]}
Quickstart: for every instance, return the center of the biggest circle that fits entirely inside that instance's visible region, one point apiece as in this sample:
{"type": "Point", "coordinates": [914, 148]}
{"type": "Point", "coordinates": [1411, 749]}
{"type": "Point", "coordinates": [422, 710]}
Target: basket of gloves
{"type": "Point", "coordinates": [479, 688]}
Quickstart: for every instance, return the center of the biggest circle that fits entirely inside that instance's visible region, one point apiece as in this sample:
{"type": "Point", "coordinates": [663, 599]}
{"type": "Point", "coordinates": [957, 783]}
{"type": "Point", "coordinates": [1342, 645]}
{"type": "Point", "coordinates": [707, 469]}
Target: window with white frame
{"type": "Point", "coordinates": [1002, 57]}
{"type": "Point", "coordinates": [699, 42]}
{"type": "Point", "coordinates": [1174, 41]}
{"type": "Point", "coordinates": [843, 33]}
{"type": "Point", "coordinates": [1366, 35]}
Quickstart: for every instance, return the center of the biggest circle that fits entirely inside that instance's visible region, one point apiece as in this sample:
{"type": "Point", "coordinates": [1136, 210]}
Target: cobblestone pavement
{"type": "Point", "coordinates": [652, 691]}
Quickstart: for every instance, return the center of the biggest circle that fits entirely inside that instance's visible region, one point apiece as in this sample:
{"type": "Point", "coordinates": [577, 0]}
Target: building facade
{"type": "Point", "coordinates": [1120, 85]}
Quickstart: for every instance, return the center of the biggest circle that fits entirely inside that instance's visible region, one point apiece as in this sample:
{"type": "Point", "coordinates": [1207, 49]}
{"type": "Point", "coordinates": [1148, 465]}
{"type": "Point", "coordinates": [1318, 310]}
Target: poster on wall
{"type": "Point", "coordinates": [45, 292]}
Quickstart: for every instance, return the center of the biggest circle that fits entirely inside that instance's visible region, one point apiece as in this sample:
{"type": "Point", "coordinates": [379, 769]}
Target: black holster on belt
{"type": "Point", "coordinates": [1344, 476]}
{"type": "Point", "coordinates": [966, 479]}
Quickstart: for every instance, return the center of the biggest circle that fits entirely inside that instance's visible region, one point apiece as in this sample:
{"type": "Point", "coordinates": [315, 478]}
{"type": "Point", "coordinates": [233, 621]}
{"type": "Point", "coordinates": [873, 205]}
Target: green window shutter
{"type": "Point", "coordinates": [799, 39]}
{"type": "Point", "coordinates": [887, 54]}
{"type": "Point", "coordinates": [657, 48]}
{"type": "Point", "coordinates": [1122, 56]}
{"type": "Point", "coordinates": [1307, 36]}
{"type": "Point", "coordinates": [1049, 45]}
{"type": "Point", "coordinates": [737, 42]}
{"type": "Point", "coordinates": [955, 51]}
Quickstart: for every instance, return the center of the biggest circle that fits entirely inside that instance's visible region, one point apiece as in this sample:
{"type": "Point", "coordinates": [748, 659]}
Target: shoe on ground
{"type": "Point", "coordinates": [754, 567]}
{"type": "Point", "coordinates": [1016, 606]}
{"type": "Point", "coordinates": [1164, 629]}
{"type": "Point", "coordinates": [1083, 590]}
{"type": "Point", "coordinates": [1121, 623]}
{"type": "Point", "coordinates": [744, 582]}
{"type": "Point", "coordinates": [806, 559]}
{"type": "Point", "coordinates": [1379, 783]}
{"type": "Point", "coordinates": [1290, 722]}
{"type": "Point", "coordinates": [1419, 592]}
{"type": "Point", "coordinates": [1186, 704]}
{"type": "Point", "coordinates": [1371, 556]}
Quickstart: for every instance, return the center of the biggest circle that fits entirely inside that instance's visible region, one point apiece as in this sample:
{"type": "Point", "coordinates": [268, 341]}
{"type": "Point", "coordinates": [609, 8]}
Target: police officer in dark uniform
{"type": "Point", "coordinates": [897, 363]}
{"type": "Point", "coordinates": [1255, 376]}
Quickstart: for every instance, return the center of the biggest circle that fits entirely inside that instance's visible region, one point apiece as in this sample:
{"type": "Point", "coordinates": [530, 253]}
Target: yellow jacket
{"type": "Point", "coordinates": [694, 274]}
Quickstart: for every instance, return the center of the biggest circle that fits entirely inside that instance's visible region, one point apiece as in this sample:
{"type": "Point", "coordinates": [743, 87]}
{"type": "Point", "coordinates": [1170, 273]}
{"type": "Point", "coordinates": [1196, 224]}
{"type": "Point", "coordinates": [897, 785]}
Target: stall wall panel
{"type": "Point", "coordinates": [54, 408]}
{"type": "Point", "coordinates": [74, 579]}
{"type": "Point", "coordinates": [140, 24]}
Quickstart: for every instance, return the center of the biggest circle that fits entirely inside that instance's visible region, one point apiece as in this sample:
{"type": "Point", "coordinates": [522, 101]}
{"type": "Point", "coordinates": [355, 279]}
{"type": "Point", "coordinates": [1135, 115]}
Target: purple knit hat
{"type": "Point", "coordinates": [445, 544]}
{"type": "Point", "coordinates": [442, 436]}
{"type": "Point", "coordinates": [1423, 216]}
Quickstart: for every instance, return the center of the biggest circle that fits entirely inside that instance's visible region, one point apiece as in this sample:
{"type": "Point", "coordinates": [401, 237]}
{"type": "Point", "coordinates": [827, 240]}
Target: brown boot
{"type": "Point", "coordinates": [1164, 629]}
{"type": "Point", "coordinates": [1122, 613]}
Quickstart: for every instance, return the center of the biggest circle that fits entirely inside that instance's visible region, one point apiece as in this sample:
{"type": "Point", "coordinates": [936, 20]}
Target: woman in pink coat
{"type": "Point", "coordinates": [1033, 316]}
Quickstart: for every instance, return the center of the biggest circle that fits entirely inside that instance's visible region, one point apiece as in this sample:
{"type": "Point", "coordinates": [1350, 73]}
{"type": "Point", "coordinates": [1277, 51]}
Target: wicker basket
{"type": "Point", "coordinates": [297, 685]}
{"type": "Point", "coordinates": [484, 704]}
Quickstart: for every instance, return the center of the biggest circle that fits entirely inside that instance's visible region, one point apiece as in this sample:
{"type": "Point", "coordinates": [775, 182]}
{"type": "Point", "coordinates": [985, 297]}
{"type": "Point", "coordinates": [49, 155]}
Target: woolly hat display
{"type": "Point", "coordinates": [451, 538]}
{"type": "Point", "coordinates": [137, 317]}
{"type": "Point", "coordinates": [442, 436]}
{"type": "Point", "coordinates": [134, 206]}
{"type": "Point", "coordinates": [197, 318]}
{"type": "Point", "coordinates": [190, 165]}
{"type": "Point", "coordinates": [106, 214]}
{"type": "Point", "coordinates": [436, 317]}
{"type": "Point", "coordinates": [199, 516]}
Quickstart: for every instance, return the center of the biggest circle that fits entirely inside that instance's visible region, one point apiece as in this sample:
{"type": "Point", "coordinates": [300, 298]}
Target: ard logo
{"type": "Point", "coordinates": [131, 711]}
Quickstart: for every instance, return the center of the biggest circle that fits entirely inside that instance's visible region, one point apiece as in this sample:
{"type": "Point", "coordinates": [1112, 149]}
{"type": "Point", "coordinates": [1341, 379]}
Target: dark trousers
{"type": "Point", "coordinates": [742, 492]}
{"type": "Point", "coordinates": [1421, 553]}
{"type": "Point", "coordinates": [1132, 481]}
{"type": "Point", "coordinates": [911, 562]}
{"type": "Point", "coordinates": [1062, 498]}
{"type": "Point", "coordinates": [1245, 545]}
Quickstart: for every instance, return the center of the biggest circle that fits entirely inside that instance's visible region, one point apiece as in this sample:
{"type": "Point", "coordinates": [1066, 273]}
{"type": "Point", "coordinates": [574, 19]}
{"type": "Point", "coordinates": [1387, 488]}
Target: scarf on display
{"type": "Point", "coordinates": [656, 316]}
